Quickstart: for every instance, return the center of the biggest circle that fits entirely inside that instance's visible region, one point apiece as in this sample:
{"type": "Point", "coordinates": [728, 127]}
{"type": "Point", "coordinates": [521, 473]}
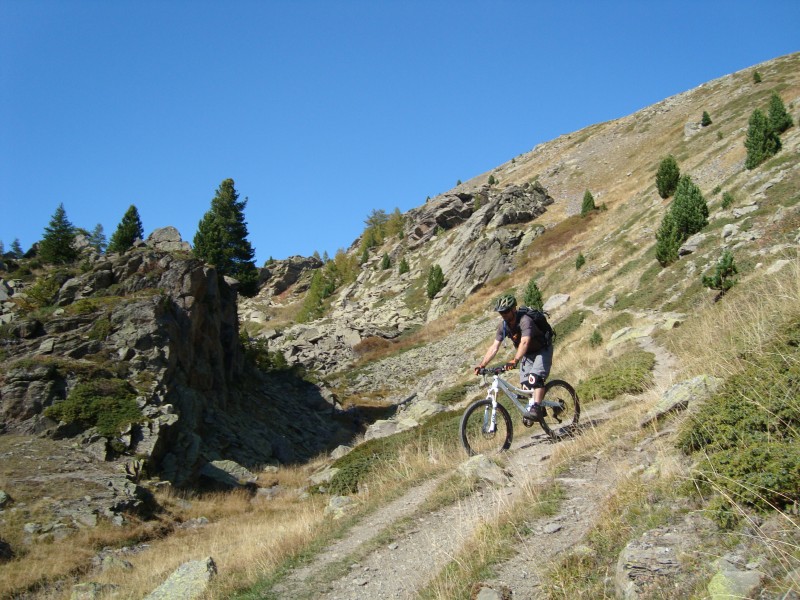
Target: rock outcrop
{"type": "Point", "coordinates": [167, 325]}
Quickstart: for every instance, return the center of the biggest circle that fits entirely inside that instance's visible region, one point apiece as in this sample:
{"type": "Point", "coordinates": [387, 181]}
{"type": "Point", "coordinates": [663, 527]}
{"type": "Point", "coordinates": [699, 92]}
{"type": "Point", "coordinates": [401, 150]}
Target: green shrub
{"type": "Point", "coordinates": [580, 261]}
{"type": "Point", "coordinates": [727, 199]}
{"type": "Point", "coordinates": [595, 339]}
{"type": "Point", "coordinates": [706, 120]}
{"type": "Point", "coordinates": [107, 404]}
{"type": "Point", "coordinates": [722, 279]}
{"type": "Point", "coordinates": [630, 373]}
{"type": "Point", "coordinates": [403, 267]}
{"type": "Point", "coordinates": [746, 438]}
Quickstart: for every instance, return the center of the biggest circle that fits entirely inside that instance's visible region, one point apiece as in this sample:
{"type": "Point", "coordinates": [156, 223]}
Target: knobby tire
{"type": "Point", "coordinates": [474, 437]}
{"type": "Point", "coordinates": [560, 391]}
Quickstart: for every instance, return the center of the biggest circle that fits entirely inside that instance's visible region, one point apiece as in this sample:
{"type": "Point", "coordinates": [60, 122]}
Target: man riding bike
{"type": "Point", "coordinates": [534, 350]}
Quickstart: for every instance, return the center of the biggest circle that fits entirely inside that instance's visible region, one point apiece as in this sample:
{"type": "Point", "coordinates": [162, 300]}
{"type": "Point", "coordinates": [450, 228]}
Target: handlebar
{"type": "Point", "coordinates": [492, 370]}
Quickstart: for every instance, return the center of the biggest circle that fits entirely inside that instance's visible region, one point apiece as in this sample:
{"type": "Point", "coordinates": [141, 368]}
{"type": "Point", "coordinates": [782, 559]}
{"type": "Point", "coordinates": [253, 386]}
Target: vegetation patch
{"type": "Point", "coordinates": [107, 404]}
{"type": "Point", "coordinates": [570, 323]}
{"type": "Point", "coordinates": [358, 464]}
{"type": "Point", "coordinates": [630, 373]}
{"type": "Point", "coordinates": [747, 437]}
{"type": "Point", "coordinates": [454, 394]}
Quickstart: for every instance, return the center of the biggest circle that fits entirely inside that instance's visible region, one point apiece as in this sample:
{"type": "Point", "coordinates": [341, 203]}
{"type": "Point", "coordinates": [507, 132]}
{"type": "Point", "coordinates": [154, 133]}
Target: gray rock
{"type": "Point", "coordinates": [734, 584]}
{"type": "Point", "coordinates": [555, 301]}
{"type": "Point", "coordinates": [482, 468]}
{"type": "Point", "coordinates": [92, 590]}
{"type": "Point", "coordinates": [680, 395]}
{"type": "Point", "coordinates": [189, 581]}
{"type": "Point", "coordinates": [227, 473]}
{"type": "Point", "coordinates": [339, 506]}
{"type": "Point", "coordinates": [167, 239]}
{"type": "Point", "coordinates": [4, 499]}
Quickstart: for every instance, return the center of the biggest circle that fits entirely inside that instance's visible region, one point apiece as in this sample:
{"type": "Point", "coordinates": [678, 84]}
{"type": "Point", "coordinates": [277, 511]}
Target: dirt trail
{"type": "Point", "coordinates": [420, 545]}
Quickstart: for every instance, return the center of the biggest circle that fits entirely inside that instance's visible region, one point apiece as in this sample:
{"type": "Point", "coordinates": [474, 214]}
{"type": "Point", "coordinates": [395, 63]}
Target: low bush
{"type": "Point", "coordinates": [630, 373]}
{"type": "Point", "coordinates": [746, 436]}
{"type": "Point", "coordinates": [453, 395]}
{"type": "Point", "coordinates": [107, 404]}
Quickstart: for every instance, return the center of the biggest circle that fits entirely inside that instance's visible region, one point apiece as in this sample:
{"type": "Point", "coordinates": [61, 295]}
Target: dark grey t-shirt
{"type": "Point", "coordinates": [523, 328]}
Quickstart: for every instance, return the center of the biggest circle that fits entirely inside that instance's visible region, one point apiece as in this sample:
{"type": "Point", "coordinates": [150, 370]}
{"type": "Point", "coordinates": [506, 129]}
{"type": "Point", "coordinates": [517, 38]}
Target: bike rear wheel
{"type": "Point", "coordinates": [478, 436]}
{"type": "Point", "coordinates": [561, 421]}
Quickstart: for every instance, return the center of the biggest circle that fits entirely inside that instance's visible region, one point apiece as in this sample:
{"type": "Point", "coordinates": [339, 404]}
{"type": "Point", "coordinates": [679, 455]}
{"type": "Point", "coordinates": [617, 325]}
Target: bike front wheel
{"type": "Point", "coordinates": [562, 419]}
{"type": "Point", "coordinates": [483, 434]}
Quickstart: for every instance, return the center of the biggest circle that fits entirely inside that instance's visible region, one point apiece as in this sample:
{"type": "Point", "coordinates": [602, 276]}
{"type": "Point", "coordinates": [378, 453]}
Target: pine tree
{"type": "Point", "coordinates": [687, 215]}
{"type": "Point", "coordinates": [761, 142]}
{"type": "Point", "coordinates": [588, 203]}
{"type": "Point", "coordinates": [57, 246]}
{"type": "Point", "coordinates": [2, 248]}
{"type": "Point", "coordinates": [97, 238]}
{"type": "Point", "coordinates": [221, 239]}
{"type": "Point", "coordinates": [580, 261]}
{"type": "Point", "coordinates": [128, 231]}
{"type": "Point", "coordinates": [532, 297]}
{"type": "Point", "coordinates": [435, 281]}
{"type": "Point", "coordinates": [403, 267]}
{"type": "Point", "coordinates": [779, 119]}
{"type": "Point", "coordinates": [722, 280]}
{"type": "Point", "coordinates": [386, 262]}
{"type": "Point", "coordinates": [706, 120]}
{"type": "Point", "coordinates": [16, 248]}
{"type": "Point", "coordinates": [756, 77]}
{"type": "Point", "coordinates": [667, 176]}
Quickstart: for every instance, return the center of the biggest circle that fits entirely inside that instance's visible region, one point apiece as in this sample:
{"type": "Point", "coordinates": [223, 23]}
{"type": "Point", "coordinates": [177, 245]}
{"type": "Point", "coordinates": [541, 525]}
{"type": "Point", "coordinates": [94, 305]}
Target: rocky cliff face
{"type": "Point", "coordinates": [167, 325]}
{"type": "Point", "coordinates": [472, 236]}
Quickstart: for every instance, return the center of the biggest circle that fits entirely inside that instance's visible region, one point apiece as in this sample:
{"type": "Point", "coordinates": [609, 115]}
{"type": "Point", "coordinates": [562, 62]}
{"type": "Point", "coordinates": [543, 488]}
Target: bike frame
{"type": "Point", "coordinates": [513, 393]}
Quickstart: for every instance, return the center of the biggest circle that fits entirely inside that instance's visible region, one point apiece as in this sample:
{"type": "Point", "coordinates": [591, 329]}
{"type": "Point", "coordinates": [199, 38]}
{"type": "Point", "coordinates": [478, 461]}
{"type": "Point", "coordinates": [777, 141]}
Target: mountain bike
{"type": "Point", "coordinates": [486, 425]}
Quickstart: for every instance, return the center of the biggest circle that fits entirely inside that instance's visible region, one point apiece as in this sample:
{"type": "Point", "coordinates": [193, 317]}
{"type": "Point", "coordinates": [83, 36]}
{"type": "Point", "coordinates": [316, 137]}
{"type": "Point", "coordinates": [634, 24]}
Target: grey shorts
{"type": "Point", "coordinates": [535, 364]}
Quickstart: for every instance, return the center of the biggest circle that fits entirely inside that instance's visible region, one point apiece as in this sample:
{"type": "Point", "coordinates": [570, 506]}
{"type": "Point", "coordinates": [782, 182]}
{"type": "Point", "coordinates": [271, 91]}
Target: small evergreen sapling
{"type": "Point", "coordinates": [722, 279]}
{"type": "Point", "coordinates": [588, 203]}
{"type": "Point", "coordinates": [403, 267]}
{"type": "Point", "coordinates": [386, 262]}
{"type": "Point", "coordinates": [779, 119]}
{"type": "Point", "coordinates": [667, 176]}
{"type": "Point", "coordinates": [580, 261]}
{"type": "Point", "coordinates": [435, 281]}
{"type": "Point", "coordinates": [532, 297]}
{"type": "Point", "coordinates": [128, 231]}
{"type": "Point", "coordinates": [706, 120]}
{"type": "Point", "coordinates": [761, 142]}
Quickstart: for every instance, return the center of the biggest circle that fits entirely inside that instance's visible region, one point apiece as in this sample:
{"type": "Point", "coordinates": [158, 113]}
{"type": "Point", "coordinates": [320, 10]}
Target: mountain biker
{"type": "Point", "coordinates": [534, 350]}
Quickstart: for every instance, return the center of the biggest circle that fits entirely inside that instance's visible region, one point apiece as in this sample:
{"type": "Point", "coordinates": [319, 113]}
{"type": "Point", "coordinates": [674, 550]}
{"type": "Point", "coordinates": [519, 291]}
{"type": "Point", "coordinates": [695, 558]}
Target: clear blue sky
{"type": "Point", "coordinates": [322, 111]}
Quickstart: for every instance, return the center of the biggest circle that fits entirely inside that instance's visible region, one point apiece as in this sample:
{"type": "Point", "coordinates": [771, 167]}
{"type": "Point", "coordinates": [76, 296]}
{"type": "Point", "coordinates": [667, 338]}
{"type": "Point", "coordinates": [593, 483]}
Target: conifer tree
{"type": "Point", "coordinates": [706, 120]}
{"type": "Point", "coordinates": [395, 223]}
{"type": "Point", "coordinates": [779, 119]}
{"type": "Point", "coordinates": [221, 239]}
{"type": "Point", "coordinates": [588, 203]}
{"type": "Point", "coordinates": [57, 246]}
{"type": "Point", "coordinates": [16, 248]}
{"type": "Point", "coordinates": [580, 261]}
{"type": "Point", "coordinates": [386, 262]}
{"type": "Point", "coordinates": [761, 142]}
{"type": "Point", "coordinates": [97, 238]}
{"type": "Point", "coordinates": [128, 231]}
{"type": "Point", "coordinates": [667, 176]}
{"type": "Point", "coordinates": [687, 215]}
{"type": "Point", "coordinates": [2, 248]}
{"type": "Point", "coordinates": [722, 280]}
{"type": "Point", "coordinates": [532, 297]}
{"type": "Point", "coordinates": [435, 281]}
{"type": "Point", "coordinates": [403, 267]}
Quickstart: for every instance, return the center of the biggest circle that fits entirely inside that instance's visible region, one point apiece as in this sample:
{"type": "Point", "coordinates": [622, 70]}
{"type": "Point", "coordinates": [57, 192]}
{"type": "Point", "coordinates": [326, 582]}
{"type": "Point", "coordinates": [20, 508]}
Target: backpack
{"type": "Point", "coordinates": [540, 321]}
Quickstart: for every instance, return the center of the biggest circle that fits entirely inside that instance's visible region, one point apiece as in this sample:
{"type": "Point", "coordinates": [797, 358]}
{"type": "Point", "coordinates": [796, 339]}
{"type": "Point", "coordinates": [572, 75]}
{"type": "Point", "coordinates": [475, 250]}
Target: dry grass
{"type": "Point", "coordinates": [744, 321]}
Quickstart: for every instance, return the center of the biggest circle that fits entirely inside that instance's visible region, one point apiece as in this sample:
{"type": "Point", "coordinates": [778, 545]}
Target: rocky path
{"type": "Point", "coordinates": [395, 551]}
